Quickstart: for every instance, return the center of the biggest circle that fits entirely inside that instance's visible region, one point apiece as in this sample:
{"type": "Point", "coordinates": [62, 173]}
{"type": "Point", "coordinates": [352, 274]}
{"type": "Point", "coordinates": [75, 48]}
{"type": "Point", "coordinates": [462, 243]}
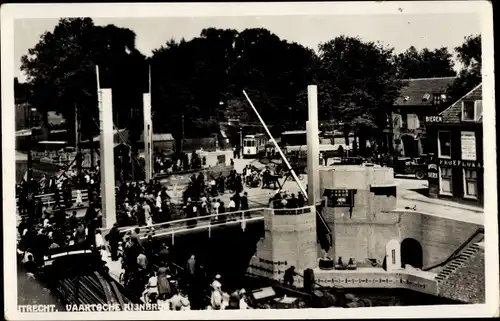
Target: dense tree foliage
{"type": "Point", "coordinates": [469, 54]}
{"type": "Point", "coordinates": [203, 79]}
{"type": "Point", "coordinates": [357, 84]}
{"type": "Point", "coordinates": [198, 83]}
{"type": "Point", "coordinates": [61, 71]}
{"type": "Point", "coordinates": [424, 63]}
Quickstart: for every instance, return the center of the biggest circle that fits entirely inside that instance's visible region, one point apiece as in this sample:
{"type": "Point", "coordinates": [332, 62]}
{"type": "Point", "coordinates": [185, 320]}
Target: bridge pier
{"type": "Point", "coordinates": [107, 167]}
{"type": "Point", "coordinates": [289, 240]}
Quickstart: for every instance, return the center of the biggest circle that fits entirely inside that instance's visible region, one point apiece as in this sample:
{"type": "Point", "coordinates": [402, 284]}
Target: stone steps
{"type": "Point", "coordinates": [460, 259]}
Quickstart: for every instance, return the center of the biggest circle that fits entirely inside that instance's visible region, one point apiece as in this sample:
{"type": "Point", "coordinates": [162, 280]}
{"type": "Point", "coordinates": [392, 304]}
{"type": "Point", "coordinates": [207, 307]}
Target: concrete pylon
{"type": "Point", "coordinates": [313, 147]}
{"type": "Point", "coordinates": [148, 137]}
{"type": "Point", "coordinates": [107, 167]}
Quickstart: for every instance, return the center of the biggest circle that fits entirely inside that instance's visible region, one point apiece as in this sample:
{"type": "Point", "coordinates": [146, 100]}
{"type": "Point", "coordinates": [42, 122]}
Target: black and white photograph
{"type": "Point", "coordinates": [181, 160]}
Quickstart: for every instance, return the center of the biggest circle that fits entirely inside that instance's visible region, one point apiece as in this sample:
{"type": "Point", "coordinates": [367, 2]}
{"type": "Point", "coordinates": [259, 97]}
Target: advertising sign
{"type": "Point", "coordinates": [468, 143]}
{"type": "Point", "coordinates": [340, 197]}
{"type": "Point", "coordinates": [434, 119]}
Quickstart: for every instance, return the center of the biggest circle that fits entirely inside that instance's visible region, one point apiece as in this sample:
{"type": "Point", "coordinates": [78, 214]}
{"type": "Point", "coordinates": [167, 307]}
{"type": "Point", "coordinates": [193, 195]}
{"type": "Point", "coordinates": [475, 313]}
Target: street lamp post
{"type": "Point", "coordinates": [241, 141]}
{"type": "Point", "coordinates": [30, 113]}
{"type": "Point", "coordinates": [182, 139]}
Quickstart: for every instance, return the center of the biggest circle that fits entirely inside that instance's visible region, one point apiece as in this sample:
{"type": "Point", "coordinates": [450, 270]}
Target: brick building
{"type": "Point", "coordinates": [457, 133]}
{"type": "Point", "coordinates": [406, 135]}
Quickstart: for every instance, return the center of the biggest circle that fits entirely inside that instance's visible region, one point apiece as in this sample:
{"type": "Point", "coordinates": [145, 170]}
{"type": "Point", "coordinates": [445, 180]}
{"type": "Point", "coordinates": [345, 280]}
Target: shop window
{"type": "Point", "coordinates": [444, 144]}
{"type": "Point", "coordinates": [470, 183]}
{"type": "Point", "coordinates": [445, 174]}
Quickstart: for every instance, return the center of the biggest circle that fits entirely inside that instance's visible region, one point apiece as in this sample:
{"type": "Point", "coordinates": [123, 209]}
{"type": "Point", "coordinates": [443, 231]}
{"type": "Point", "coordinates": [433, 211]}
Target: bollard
{"type": "Point", "coordinates": [309, 280]}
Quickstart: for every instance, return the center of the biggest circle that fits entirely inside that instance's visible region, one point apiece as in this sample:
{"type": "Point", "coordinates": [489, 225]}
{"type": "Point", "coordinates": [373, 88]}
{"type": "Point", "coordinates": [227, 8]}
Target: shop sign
{"type": "Point", "coordinates": [460, 163]}
{"type": "Point", "coordinates": [434, 119]}
{"type": "Point", "coordinates": [468, 144]}
{"type": "Point", "coordinates": [432, 172]}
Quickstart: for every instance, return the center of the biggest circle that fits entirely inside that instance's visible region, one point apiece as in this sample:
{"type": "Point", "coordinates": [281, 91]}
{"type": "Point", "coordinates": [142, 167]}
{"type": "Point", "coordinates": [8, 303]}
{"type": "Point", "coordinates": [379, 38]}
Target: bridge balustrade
{"type": "Point", "coordinates": [292, 211]}
{"type": "Point", "coordinates": [207, 222]}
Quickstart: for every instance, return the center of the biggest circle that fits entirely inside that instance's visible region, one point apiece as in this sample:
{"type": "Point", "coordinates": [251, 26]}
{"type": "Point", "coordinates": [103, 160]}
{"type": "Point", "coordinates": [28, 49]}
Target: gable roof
{"type": "Point", "coordinates": [415, 89]}
{"type": "Point", "coordinates": [453, 114]}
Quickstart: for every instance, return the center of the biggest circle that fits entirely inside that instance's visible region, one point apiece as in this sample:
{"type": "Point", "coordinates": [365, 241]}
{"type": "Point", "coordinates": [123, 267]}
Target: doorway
{"type": "Point", "coordinates": [411, 253]}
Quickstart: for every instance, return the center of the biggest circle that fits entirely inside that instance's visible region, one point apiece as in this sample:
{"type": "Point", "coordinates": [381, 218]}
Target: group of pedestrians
{"type": "Point", "coordinates": [176, 163]}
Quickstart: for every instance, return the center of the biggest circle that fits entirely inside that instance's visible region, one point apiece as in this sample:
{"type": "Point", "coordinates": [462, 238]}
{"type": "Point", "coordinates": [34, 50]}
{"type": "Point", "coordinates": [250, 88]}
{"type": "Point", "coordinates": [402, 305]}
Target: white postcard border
{"type": "Point", "coordinates": [11, 12]}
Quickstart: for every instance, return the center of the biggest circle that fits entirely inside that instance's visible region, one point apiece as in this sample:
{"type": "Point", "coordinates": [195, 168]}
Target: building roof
{"type": "Point", "coordinates": [413, 91]}
{"type": "Point", "coordinates": [164, 137]}
{"type": "Point", "coordinates": [453, 114]}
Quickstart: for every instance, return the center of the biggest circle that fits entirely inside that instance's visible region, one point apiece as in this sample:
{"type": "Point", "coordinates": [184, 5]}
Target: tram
{"type": "Point", "coordinates": [254, 145]}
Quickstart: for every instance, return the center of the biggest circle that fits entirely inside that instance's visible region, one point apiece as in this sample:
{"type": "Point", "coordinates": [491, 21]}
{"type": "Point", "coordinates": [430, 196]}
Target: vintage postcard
{"type": "Point", "coordinates": [284, 160]}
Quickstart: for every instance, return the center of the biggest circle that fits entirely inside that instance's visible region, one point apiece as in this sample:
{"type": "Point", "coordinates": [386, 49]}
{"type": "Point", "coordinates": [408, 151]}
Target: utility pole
{"type": "Point", "coordinates": [182, 139]}
{"type": "Point", "coordinates": [147, 133]}
{"type": "Point", "coordinates": [132, 159]}
{"type": "Point", "coordinates": [241, 141]}
{"type": "Point", "coordinates": [77, 144]}
{"type": "Point", "coordinates": [29, 119]}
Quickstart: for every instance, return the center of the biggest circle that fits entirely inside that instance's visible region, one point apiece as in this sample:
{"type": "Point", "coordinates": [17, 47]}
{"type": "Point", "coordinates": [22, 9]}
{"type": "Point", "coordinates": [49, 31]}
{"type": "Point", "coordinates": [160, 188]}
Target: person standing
{"type": "Point", "coordinates": [232, 205]}
{"type": "Point", "coordinates": [191, 270]}
{"type": "Point", "coordinates": [147, 213]}
{"type": "Point", "coordinates": [113, 239]}
{"type": "Point", "coordinates": [288, 277]}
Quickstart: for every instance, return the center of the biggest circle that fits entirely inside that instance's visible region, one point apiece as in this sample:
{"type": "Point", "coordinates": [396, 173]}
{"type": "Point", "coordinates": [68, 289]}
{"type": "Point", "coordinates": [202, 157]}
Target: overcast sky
{"type": "Point", "coordinates": [398, 31]}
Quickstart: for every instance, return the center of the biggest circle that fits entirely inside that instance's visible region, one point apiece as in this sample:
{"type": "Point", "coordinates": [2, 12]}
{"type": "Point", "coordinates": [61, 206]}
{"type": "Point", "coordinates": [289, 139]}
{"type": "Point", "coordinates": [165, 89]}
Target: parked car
{"type": "Point", "coordinates": [408, 166]}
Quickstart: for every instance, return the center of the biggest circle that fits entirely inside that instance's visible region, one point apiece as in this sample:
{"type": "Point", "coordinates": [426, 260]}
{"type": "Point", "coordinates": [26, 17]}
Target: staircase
{"type": "Point", "coordinates": [460, 258]}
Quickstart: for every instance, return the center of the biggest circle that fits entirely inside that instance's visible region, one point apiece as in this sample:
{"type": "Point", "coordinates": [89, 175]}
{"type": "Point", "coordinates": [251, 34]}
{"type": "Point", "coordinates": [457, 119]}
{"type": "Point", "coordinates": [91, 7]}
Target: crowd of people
{"type": "Point", "coordinates": [150, 271]}
{"type": "Point", "coordinates": [167, 163]}
{"type": "Point", "coordinates": [282, 200]}
{"type": "Point", "coordinates": [148, 266]}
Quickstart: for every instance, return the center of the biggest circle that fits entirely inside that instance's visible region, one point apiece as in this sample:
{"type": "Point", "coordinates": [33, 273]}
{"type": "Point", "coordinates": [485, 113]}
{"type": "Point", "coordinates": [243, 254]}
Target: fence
{"type": "Point", "coordinates": [207, 222]}
{"type": "Point", "coordinates": [48, 199]}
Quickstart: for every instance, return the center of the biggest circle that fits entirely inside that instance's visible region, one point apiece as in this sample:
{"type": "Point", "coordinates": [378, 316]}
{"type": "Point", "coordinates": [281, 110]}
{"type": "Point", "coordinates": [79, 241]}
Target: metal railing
{"type": "Point", "coordinates": [48, 198]}
{"type": "Point", "coordinates": [292, 211]}
{"type": "Point", "coordinates": [207, 221]}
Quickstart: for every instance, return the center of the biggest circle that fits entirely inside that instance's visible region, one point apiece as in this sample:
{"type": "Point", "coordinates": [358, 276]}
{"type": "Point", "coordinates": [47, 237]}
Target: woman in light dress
{"type": "Point", "coordinates": [79, 201]}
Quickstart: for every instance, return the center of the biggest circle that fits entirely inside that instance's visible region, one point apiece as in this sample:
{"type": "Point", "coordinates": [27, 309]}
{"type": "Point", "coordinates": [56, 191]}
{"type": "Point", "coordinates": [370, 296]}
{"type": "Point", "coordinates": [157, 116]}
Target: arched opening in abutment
{"type": "Point", "coordinates": [411, 253]}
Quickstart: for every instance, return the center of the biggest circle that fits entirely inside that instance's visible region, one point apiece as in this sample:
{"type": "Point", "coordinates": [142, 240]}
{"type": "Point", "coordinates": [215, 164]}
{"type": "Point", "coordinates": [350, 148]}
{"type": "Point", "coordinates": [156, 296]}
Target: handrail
{"type": "Point", "coordinates": [190, 171]}
{"type": "Point", "coordinates": [181, 229]}
{"type": "Point", "coordinates": [325, 224]}
{"type": "Point", "coordinates": [292, 211]}
{"type": "Point", "coordinates": [458, 250]}
{"type": "Point", "coordinates": [198, 218]}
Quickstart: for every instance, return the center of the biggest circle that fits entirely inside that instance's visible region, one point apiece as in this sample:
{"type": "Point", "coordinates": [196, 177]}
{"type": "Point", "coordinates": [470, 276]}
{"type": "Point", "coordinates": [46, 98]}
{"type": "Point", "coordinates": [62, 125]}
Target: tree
{"type": "Point", "coordinates": [203, 79]}
{"type": "Point", "coordinates": [60, 71]}
{"type": "Point", "coordinates": [469, 54]}
{"type": "Point", "coordinates": [425, 63]}
{"type": "Point", "coordinates": [358, 84]}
